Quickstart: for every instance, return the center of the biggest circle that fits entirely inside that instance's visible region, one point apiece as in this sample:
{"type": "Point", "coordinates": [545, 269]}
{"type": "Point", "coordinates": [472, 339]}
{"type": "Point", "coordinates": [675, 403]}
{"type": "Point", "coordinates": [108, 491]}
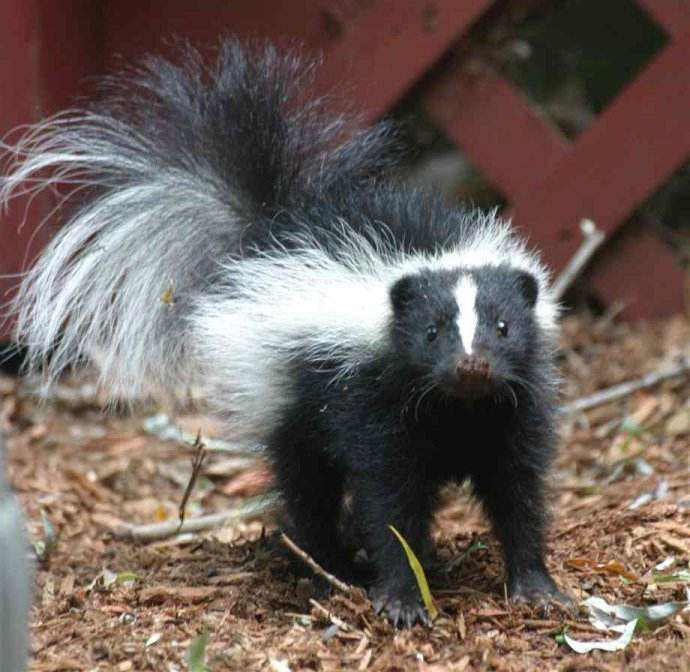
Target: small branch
{"type": "Point", "coordinates": [161, 426]}
{"type": "Point", "coordinates": [594, 238]}
{"type": "Point", "coordinates": [625, 389]}
{"type": "Point", "coordinates": [315, 566]}
{"type": "Point", "coordinates": [156, 531]}
{"type": "Point", "coordinates": [331, 617]}
{"type": "Point", "coordinates": [72, 398]}
{"type": "Point", "coordinates": [197, 464]}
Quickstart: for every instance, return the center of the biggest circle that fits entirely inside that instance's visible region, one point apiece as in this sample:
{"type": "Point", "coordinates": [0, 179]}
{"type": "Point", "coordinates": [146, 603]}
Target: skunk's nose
{"type": "Point", "coordinates": [473, 368]}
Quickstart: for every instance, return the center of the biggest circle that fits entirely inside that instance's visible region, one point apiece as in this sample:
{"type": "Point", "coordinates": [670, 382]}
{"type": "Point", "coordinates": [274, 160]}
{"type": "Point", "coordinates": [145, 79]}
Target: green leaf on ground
{"type": "Point", "coordinates": [419, 574]}
{"type": "Point", "coordinates": [196, 653]}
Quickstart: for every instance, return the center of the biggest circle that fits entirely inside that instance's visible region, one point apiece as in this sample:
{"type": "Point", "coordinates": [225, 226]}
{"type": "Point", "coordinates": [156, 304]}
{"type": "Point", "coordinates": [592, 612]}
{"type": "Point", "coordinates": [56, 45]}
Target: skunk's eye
{"type": "Point", "coordinates": [502, 328]}
{"type": "Point", "coordinates": [431, 333]}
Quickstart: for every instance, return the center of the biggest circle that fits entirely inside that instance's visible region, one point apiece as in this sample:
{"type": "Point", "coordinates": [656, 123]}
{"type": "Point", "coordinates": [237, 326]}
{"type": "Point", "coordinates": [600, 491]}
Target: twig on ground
{"type": "Point", "coordinates": [156, 531]}
{"type": "Point", "coordinates": [625, 389]}
{"type": "Point", "coordinates": [161, 425]}
{"type": "Point", "coordinates": [593, 240]}
{"type": "Point", "coordinates": [197, 464]}
{"type": "Point", "coordinates": [315, 566]}
{"type": "Point", "coordinates": [331, 617]}
{"type": "Point", "coordinates": [85, 395]}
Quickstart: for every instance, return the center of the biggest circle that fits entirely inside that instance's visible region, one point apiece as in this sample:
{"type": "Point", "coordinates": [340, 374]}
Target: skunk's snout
{"type": "Point", "coordinates": [473, 375]}
{"type": "Point", "coordinates": [473, 368]}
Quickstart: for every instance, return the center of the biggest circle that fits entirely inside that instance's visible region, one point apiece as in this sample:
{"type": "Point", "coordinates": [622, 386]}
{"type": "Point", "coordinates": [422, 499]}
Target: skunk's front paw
{"type": "Point", "coordinates": [539, 589]}
{"type": "Point", "coordinates": [402, 606]}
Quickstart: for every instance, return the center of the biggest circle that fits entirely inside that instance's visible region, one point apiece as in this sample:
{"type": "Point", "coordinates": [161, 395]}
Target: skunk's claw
{"type": "Point", "coordinates": [540, 591]}
{"type": "Point", "coordinates": [402, 609]}
{"type": "Point", "coordinates": [545, 600]}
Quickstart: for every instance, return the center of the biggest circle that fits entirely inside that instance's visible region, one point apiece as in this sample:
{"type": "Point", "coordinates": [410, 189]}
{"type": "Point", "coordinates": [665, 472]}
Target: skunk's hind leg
{"type": "Point", "coordinates": [312, 488]}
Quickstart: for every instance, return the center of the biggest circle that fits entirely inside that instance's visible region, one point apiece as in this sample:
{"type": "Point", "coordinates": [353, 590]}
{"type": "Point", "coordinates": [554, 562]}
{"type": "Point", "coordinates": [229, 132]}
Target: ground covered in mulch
{"type": "Point", "coordinates": [104, 603]}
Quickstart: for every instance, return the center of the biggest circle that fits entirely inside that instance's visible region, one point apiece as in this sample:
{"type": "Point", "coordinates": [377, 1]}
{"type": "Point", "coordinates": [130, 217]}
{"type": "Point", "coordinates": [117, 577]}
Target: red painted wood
{"type": "Point", "coordinates": [19, 35]}
{"type": "Point", "coordinates": [343, 11]}
{"type": "Point", "coordinates": [47, 49]}
{"type": "Point", "coordinates": [672, 15]}
{"type": "Point", "coordinates": [134, 28]}
{"type": "Point", "coordinates": [639, 270]}
{"type": "Point", "coordinates": [389, 47]}
{"type": "Point", "coordinates": [497, 127]}
{"type": "Point", "coordinates": [637, 142]}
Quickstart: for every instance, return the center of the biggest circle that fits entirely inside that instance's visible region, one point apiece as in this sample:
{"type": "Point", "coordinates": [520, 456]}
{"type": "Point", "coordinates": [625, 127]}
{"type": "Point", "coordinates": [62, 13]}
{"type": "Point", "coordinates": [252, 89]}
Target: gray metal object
{"type": "Point", "coordinates": [15, 572]}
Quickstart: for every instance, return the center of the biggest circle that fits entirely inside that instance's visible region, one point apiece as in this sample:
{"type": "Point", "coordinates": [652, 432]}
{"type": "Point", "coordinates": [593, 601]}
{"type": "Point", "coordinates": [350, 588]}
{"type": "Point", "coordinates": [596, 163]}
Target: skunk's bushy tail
{"type": "Point", "coordinates": [175, 167]}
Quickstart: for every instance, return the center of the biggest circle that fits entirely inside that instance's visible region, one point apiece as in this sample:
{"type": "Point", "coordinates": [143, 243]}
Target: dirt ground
{"type": "Point", "coordinates": [103, 603]}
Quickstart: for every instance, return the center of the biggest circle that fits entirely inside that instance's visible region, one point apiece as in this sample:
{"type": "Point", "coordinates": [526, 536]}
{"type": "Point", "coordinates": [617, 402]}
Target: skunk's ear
{"type": "Point", "coordinates": [529, 288]}
{"type": "Point", "coordinates": [402, 293]}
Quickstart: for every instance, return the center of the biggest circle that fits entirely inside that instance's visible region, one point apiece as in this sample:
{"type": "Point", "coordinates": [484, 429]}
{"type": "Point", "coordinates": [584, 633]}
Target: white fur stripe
{"type": "Point", "coordinates": [466, 295]}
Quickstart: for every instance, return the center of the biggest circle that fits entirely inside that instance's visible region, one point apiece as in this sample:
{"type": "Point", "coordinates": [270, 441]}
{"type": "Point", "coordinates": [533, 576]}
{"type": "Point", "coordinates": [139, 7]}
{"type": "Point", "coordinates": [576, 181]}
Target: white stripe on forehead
{"type": "Point", "coordinates": [466, 295]}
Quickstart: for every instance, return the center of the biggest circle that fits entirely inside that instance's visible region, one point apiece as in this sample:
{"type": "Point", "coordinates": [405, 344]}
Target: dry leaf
{"type": "Point", "coordinates": [615, 567]}
{"type": "Point", "coordinates": [184, 594]}
{"type": "Point", "coordinates": [168, 297]}
{"type": "Point", "coordinates": [644, 410]}
{"type": "Point", "coordinates": [250, 483]}
{"type": "Point", "coordinates": [462, 628]}
{"type": "Point", "coordinates": [679, 423]}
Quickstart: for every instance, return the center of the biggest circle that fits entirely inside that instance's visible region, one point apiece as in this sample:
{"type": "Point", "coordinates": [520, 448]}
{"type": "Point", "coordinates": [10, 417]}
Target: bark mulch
{"type": "Point", "coordinates": [102, 603]}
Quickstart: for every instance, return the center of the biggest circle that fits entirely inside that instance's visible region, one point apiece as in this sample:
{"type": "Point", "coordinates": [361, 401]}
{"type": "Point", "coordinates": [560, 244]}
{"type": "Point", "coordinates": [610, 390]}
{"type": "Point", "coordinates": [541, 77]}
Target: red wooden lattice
{"type": "Point", "coordinates": [551, 183]}
{"type": "Point", "coordinates": [375, 51]}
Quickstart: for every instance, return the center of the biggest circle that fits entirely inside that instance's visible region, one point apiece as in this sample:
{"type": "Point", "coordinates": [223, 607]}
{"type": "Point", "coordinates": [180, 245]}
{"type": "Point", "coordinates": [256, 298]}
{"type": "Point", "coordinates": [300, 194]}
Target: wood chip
{"type": "Point", "coordinates": [674, 543]}
{"type": "Point", "coordinates": [185, 594]}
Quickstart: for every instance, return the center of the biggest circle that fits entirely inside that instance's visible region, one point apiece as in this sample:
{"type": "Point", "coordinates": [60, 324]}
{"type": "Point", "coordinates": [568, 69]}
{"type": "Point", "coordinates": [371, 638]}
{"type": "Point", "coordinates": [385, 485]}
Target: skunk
{"type": "Point", "coordinates": [377, 341]}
